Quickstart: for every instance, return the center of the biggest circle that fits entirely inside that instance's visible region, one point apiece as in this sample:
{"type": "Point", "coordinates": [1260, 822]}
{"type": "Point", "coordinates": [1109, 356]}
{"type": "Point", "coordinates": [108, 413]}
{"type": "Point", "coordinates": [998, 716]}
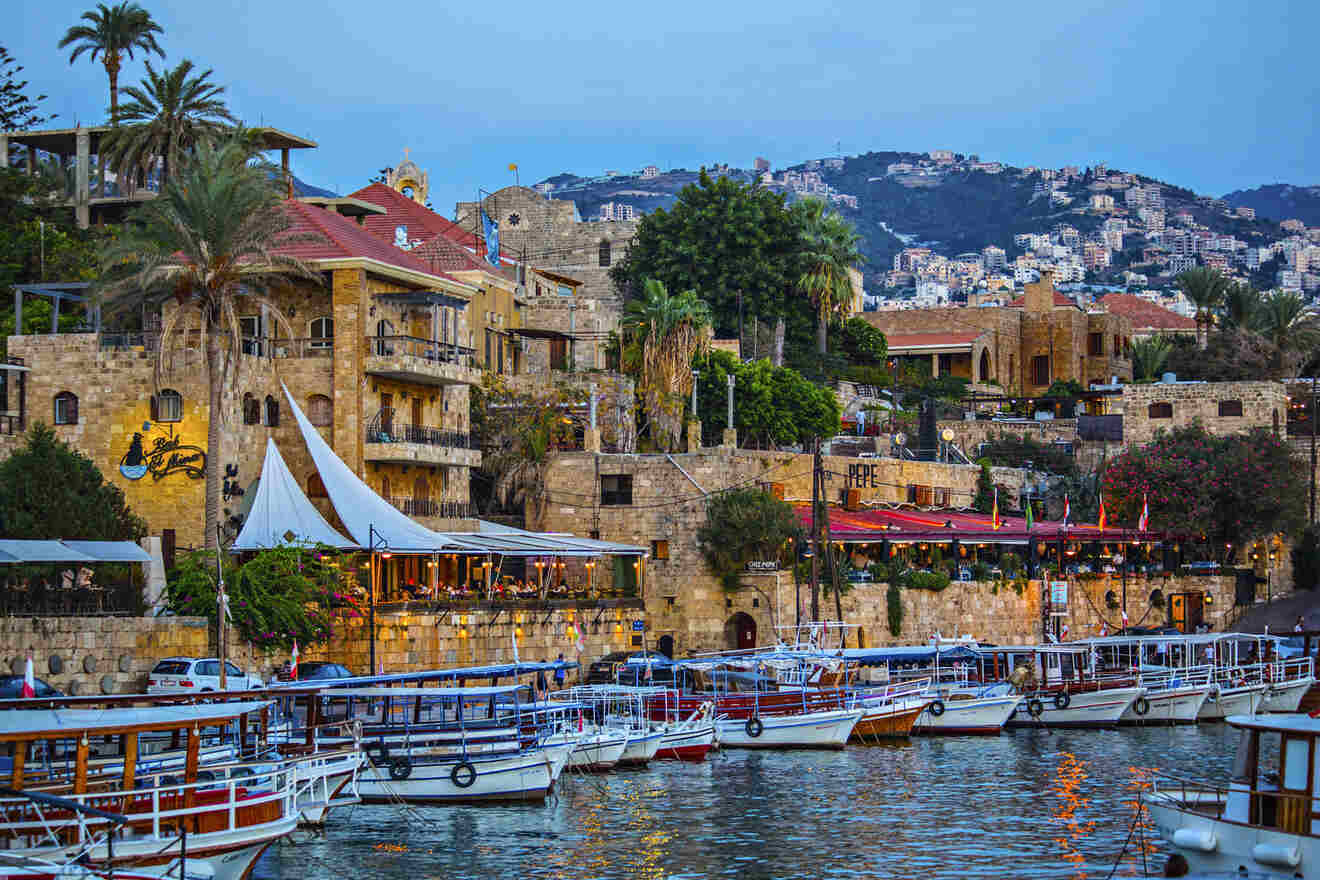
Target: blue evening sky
{"type": "Point", "coordinates": [1211, 95]}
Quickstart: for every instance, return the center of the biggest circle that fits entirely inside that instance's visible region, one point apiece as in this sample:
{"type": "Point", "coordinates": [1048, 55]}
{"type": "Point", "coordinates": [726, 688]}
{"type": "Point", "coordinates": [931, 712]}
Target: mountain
{"type": "Point", "coordinates": [306, 189]}
{"type": "Point", "coordinates": [1280, 201]}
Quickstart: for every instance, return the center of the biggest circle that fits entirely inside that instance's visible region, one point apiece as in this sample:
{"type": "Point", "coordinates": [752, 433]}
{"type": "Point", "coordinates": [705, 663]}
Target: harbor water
{"type": "Point", "coordinates": [1028, 803]}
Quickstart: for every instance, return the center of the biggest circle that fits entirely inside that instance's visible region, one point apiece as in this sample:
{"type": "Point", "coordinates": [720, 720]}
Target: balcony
{"type": "Point", "coordinates": [391, 441]}
{"type": "Point", "coordinates": [432, 508]}
{"type": "Point", "coordinates": [424, 361]}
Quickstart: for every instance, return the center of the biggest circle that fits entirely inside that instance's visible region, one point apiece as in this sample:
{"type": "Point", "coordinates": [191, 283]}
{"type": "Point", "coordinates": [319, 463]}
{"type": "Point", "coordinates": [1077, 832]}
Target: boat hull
{"type": "Point", "coordinates": [894, 719]}
{"type": "Point", "coordinates": [1170, 706]}
{"type": "Point", "coordinates": [526, 776]}
{"type": "Point", "coordinates": [815, 730]}
{"type": "Point", "coordinates": [1286, 696]}
{"type": "Point", "coordinates": [598, 753]}
{"type": "Point", "coordinates": [1241, 700]}
{"type": "Point", "coordinates": [1211, 845]}
{"type": "Point", "coordinates": [692, 744]}
{"type": "Point", "coordinates": [980, 716]}
{"type": "Point", "coordinates": [641, 748]}
{"type": "Point", "coordinates": [1101, 708]}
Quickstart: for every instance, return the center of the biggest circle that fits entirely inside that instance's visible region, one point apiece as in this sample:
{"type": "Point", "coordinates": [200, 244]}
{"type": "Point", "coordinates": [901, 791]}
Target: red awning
{"type": "Point", "coordinates": [874, 525]}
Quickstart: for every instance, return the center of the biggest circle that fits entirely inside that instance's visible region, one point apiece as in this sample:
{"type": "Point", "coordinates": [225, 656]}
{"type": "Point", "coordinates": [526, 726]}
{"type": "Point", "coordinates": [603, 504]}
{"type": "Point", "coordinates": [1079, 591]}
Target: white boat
{"type": "Point", "coordinates": [598, 750]}
{"type": "Point", "coordinates": [1173, 696]}
{"type": "Point", "coordinates": [1094, 708]}
{"type": "Point", "coordinates": [523, 776]}
{"type": "Point", "coordinates": [826, 729]}
{"type": "Point", "coordinates": [642, 746]}
{"type": "Point", "coordinates": [1228, 698]}
{"type": "Point", "coordinates": [1286, 696]}
{"type": "Point", "coordinates": [964, 710]}
{"type": "Point", "coordinates": [1263, 819]}
{"type": "Point", "coordinates": [1064, 687]}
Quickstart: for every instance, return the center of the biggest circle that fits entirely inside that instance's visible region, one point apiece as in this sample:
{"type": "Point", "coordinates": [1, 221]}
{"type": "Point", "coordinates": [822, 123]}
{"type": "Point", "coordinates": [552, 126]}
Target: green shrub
{"type": "Point", "coordinates": [935, 581]}
{"type": "Point", "coordinates": [894, 603]}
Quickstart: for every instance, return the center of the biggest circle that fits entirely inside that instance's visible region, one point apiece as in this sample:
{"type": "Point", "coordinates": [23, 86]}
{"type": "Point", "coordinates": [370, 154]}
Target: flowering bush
{"type": "Point", "coordinates": [1223, 489]}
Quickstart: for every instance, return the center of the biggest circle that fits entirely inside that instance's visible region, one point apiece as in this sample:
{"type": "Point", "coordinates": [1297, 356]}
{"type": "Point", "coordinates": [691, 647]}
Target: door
{"type": "Point", "coordinates": [740, 632]}
{"type": "Point", "coordinates": [666, 646]}
{"type": "Point", "coordinates": [387, 415]}
{"type": "Point", "coordinates": [416, 433]}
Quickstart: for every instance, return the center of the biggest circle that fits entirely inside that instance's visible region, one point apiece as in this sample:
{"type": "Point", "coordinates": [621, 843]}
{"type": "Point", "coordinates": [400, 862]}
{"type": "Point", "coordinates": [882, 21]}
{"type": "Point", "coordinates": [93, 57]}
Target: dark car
{"type": "Point", "coordinates": [11, 688]}
{"type": "Point", "coordinates": [316, 670]}
{"type": "Point", "coordinates": [615, 668]}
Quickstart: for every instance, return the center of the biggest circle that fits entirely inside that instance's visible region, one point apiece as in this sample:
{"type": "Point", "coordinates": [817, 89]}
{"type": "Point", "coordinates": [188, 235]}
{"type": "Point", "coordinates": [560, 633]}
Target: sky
{"type": "Point", "coordinates": [1214, 96]}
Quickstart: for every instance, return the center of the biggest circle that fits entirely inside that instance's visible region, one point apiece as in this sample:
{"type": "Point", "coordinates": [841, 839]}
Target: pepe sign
{"type": "Point", "coordinates": [167, 454]}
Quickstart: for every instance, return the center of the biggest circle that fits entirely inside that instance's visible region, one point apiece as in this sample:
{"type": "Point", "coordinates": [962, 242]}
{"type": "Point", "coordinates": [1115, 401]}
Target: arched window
{"type": "Point", "coordinates": [272, 408]}
{"type": "Point", "coordinates": [167, 406]}
{"type": "Point", "coordinates": [985, 366]}
{"type": "Point", "coordinates": [1230, 408]}
{"type": "Point", "coordinates": [320, 410]}
{"type": "Point", "coordinates": [315, 487]}
{"type": "Point", "coordinates": [1160, 411]}
{"type": "Point", "coordinates": [251, 410]}
{"type": "Point", "coordinates": [604, 253]}
{"type": "Point", "coordinates": [66, 408]}
{"type": "Point", "coordinates": [322, 332]}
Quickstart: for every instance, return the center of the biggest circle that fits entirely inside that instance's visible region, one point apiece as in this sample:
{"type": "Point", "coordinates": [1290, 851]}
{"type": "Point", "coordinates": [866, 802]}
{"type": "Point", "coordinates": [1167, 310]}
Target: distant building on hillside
{"type": "Point", "coordinates": [993, 258]}
{"type": "Point", "coordinates": [650, 171]}
{"type": "Point", "coordinates": [612, 211]}
{"type": "Point", "coordinates": [1246, 213]}
{"type": "Point", "coordinates": [761, 164]}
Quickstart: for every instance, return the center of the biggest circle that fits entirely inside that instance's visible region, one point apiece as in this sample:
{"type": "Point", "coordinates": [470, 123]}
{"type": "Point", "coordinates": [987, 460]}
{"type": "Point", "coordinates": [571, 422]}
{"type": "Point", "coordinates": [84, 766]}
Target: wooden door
{"type": "Point", "coordinates": [387, 413]}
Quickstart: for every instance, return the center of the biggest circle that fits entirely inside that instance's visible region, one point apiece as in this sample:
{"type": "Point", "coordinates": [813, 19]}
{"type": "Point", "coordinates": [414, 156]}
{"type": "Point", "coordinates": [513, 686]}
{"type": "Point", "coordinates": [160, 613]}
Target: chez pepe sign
{"type": "Point", "coordinates": [161, 455]}
{"type": "Point", "coordinates": [762, 565]}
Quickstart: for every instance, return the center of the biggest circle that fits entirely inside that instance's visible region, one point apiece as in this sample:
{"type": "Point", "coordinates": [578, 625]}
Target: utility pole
{"type": "Point", "coordinates": [222, 601]}
{"type": "Point", "coordinates": [815, 532]}
{"type": "Point", "coordinates": [1313, 418]}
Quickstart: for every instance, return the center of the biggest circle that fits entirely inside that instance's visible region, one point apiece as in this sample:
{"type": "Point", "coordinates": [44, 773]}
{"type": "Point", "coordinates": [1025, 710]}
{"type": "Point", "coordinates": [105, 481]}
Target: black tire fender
{"type": "Point", "coordinates": [1062, 700]}
{"type": "Point", "coordinates": [1141, 705]}
{"type": "Point", "coordinates": [754, 727]}
{"type": "Point", "coordinates": [1035, 707]}
{"type": "Point", "coordinates": [937, 708]}
{"type": "Point", "coordinates": [378, 753]}
{"type": "Point", "coordinates": [464, 775]}
{"type": "Point", "coordinates": [400, 768]}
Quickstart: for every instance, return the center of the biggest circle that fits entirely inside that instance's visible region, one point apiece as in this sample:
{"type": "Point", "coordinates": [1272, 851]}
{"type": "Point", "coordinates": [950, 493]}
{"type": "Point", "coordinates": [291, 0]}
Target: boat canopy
{"type": "Point", "coordinates": [456, 674]}
{"type": "Point", "coordinates": [28, 724]}
{"type": "Point", "coordinates": [282, 514]}
{"type": "Point", "coordinates": [384, 692]}
{"type": "Point", "coordinates": [909, 654]}
{"type": "Point", "coordinates": [15, 551]}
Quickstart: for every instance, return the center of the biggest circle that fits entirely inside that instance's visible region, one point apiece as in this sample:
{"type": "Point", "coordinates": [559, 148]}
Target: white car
{"type": "Point", "coordinates": [188, 675]}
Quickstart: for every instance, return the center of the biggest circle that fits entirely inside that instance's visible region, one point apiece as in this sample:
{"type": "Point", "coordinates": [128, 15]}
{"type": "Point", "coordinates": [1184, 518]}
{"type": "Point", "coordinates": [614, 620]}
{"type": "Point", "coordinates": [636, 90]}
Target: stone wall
{"type": "Point", "coordinates": [588, 321]}
{"type": "Point", "coordinates": [99, 655]}
{"type": "Point", "coordinates": [1263, 405]}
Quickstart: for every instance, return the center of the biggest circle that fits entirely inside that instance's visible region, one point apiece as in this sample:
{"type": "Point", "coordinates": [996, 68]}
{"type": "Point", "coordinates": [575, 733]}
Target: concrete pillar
{"type": "Point", "coordinates": [153, 572]}
{"type": "Point", "coordinates": [591, 440]}
{"type": "Point", "coordinates": [694, 435]}
{"type": "Point", "coordinates": [82, 185]}
{"type": "Point", "coordinates": [934, 365]}
{"type": "Point", "coordinates": [730, 438]}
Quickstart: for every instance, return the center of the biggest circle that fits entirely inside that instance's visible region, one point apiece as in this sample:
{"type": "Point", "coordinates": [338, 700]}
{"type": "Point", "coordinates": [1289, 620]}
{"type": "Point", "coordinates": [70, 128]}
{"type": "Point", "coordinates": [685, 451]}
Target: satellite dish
{"type": "Point", "coordinates": [947, 435]}
{"type": "Point", "coordinates": [900, 438]}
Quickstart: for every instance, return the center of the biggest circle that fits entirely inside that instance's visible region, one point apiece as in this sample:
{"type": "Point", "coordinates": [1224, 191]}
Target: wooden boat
{"type": "Point", "coordinates": [892, 710]}
{"type": "Point", "coordinates": [1265, 819]}
{"type": "Point", "coordinates": [227, 821]}
{"type": "Point", "coordinates": [1063, 688]}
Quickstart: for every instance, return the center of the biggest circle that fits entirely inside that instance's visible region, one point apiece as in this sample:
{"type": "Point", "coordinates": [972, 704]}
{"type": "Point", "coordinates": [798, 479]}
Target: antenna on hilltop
{"type": "Point", "coordinates": [838, 149]}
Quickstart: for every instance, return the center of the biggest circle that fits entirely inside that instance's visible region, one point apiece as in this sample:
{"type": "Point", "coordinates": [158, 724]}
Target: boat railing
{"type": "Point", "coordinates": [1292, 669]}
{"type": "Point", "coordinates": [1168, 679]}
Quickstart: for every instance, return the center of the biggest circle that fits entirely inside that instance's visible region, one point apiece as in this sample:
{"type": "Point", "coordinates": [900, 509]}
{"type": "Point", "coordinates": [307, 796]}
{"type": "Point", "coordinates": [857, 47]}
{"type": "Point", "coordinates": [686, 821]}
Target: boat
{"type": "Point", "coordinates": [892, 710]}
{"type": "Point", "coordinates": [228, 815]}
{"type": "Point", "coordinates": [1263, 818]}
{"type": "Point", "coordinates": [690, 739]}
{"type": "Point", "coordinates": [1177, 684]}
{"type": "Point", "coordinates": [1063, 687]}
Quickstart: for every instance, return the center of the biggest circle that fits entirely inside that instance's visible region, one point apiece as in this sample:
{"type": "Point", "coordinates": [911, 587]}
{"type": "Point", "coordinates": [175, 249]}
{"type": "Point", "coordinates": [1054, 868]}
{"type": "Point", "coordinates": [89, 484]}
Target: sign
{"type": "Point", "coordinates": [862, 476]}
{"type": "Point", "coordinates": [762, 565]}
{"type": "Point", "coordinates": [639, 626]}
{"type": "Point", "coordinates": [1059, 593]}
{"type": "Point", "coordinates": [166, 455]}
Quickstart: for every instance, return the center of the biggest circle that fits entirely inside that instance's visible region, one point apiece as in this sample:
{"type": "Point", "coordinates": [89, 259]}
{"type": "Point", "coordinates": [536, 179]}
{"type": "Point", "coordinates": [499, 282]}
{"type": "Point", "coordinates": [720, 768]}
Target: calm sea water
{"type": "Point", "coordinates": [1034, 804]}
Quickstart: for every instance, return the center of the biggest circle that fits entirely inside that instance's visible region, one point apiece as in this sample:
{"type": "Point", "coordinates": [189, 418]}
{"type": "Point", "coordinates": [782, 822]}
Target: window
{"type": "Point", "coordinates": [251, 410]}
{"type": "Point", "coordinates": [923, 495]}
{"type": "Point", "coordinates": [488, 360]}
{"type": "Point", "coordinates": [385, 487]}
{"type": "Point", "coordinates": [1230, 409]}
{"type": "Point", "coordinates": [207, 667]}
{"type": "Point", "coordinates": [384, 330]}
{"type": "Point", "coordinates": [1095, 345]}
{"type": "Point", "coordinates": [616, 489]}
{"type": "Point", "coordinates": [168, 406]}
{"type": "Point", "coordinates": [538, 288]}
{"type": "Point", "coordinates": [320, 410]}
{"type": "Point", "coordinates": [1160, 411]}
{"type": "Point", "coordinates": [604, 253]}
{"type": "Point", "coordinates": [565, 290]}
{"type": "Point", "coordinates": [1118, 345]}
{"type": "Point", "coordinates": [946, 364]}
{"type": "Point", "coordinates": [1040, 370]}
{"type": "Point", "coordinates": [316, 487]}
{"type": "Point", "coordinates": [499, 354]}
{"type": "Point", "coordinates": [272, 413]}
{"type": "Point", "coordinates": [559, 354]}
{"type": "Point", "coordinates": [322, 332]}
{"type": "Point", "coordinates": [985, 366]}
{"type": "Point", "coordinates": [249, 329]}
{"type": "Point", "coordinates": [66, 408]}
{"type": "Point", "coordinates": [943, 496]}
{"type": "Point", "coordinates": [659, 549]}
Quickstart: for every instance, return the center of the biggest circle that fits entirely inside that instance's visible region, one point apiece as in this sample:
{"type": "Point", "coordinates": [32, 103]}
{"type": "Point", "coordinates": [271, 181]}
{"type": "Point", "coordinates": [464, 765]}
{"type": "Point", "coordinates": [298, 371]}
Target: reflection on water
{"type": "Point", "coordinates": [1029, 803]}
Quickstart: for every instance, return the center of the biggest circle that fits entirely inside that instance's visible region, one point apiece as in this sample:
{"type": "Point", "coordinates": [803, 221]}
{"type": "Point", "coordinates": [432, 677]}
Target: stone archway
{"type": "Point", "coordinates": [665, 646]}
{"type": "Point", "coordinates": [740, 632]}
{"type": "Point", "coordinates": [983, 368]}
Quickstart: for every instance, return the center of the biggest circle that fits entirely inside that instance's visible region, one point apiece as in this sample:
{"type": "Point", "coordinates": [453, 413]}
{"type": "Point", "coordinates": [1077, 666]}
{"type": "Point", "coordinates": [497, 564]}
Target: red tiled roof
{"type": "Point", "coordinates": [1144, 313]}
{"type": "Point", "coordinates": [423, 223]}
{"type": "Point", "coordinates": [447, 256]}
{"type": "Point", "coordinates": [333, 237]}
{"type": "Point", "coordinates": [877, 524]}
{"type": "Point", "coordinates": [916, 340]}
{"type": "Point", "coordinates": [1059, 300]}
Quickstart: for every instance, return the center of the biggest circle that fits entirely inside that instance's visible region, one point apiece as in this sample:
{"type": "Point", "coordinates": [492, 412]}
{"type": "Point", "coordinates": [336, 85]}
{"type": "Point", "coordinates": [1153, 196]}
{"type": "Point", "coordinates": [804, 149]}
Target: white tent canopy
{"type": "Point", "coordinates": [282, 514]}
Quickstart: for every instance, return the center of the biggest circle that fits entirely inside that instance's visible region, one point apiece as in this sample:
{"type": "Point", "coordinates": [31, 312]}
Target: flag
{"type": "Point", "coordinates": [1102, 512]}
{"type": "Point", "coordinates": [513, 634]}
{"type": "Point", "coordinates": [1125, 619]}
{"type": "Point", "coordinates": [29, 681]}
{"type": "Point", "coordinates": [293, 664]}
{"type": "Point", "coordinates": [1064, 633]}
{"type": "Point", "coordinates": [1104, 630]}
{"type": "Point", "coordinates": [513, 166]}
{"type": "Point", "coordinates": [1145, 514]}
{"type": "Point", "coordinates": [1067, 509]}
{"type": "Point", "coordinates": [491, 231]}
{"type": "Point", "coordinates": [994, 511]}
{"type": "Point", "coordinates": [1031, 520]}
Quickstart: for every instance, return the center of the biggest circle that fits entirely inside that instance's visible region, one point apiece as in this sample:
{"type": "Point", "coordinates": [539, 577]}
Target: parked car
{"type": "Point", "coordinates": [315, 670]}
{"type": "Point", "coordinates": [11, 688]}
{"type": "Point", "coordinates": [190, 675]}
{"type": "Point", "coordinates": [605, 670]}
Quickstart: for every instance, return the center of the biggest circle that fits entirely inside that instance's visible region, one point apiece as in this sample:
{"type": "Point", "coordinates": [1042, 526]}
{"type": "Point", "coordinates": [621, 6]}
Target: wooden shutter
{"type": "Point", "coordinates": [155, 408]}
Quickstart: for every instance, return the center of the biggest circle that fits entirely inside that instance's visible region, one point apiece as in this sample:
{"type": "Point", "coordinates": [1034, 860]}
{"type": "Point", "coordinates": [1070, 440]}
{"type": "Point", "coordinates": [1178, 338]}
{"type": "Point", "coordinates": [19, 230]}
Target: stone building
{"type": "Point", "coordinates": [377, 352]}
{"type": "Point", "coordinates": [1023, 348]}
{"type": "Point", "coordinates": [1219, 407]}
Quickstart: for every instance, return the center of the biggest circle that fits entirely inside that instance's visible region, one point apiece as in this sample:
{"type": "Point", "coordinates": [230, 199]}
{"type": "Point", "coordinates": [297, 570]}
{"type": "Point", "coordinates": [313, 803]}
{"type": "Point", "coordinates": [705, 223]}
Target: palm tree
{"type": "Point", "coordinates": [830, 250]}
{"type": "Point", "coordinates": [209, 240]}
{"type": "Point", "coordinates": [1149, 356]}
{"type": "Point", "coordinates": [169, 114]}
{"type": "Point", "coordinates": [1285, 320]}
{"type": "Point", "coordinates": [112, 32]}
{"type": "Point", "coordinates": [1205, 287]}
{"type": "Point", "coordinates": [1241, 306]}
{"type": "Point", "coordinates": [662, 333]}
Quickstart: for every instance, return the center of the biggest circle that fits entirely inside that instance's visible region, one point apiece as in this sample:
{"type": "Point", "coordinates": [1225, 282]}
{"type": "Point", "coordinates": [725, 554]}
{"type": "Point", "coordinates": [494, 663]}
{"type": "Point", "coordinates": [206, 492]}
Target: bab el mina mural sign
{"type": "Point", "coordinates": [161, 455]}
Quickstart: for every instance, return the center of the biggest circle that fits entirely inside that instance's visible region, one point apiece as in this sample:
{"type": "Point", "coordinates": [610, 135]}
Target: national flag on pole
{"type": "Point", "coordinates": [1125, 619]}
{"type": "Point", "coordinates": [1064, 633]}
{"type": "Point", "coordinates": [1144, 521]}
{"type": "Point", "coordinates": [29, 680]}
{"type": "Point", "coordinates": [1102, 512]}
{"type": "Point", "coordinates": [513, 634]}
{"type": "Point", "coordinates": [1067, 509]}
{"type": "Point", "coordinates": [994, 511]}
{"type": "Point", "coordinates": [491, 232]}
{"type": "Point", "coordinates": [1104, 630]}
{"type": "Point", "coordinates": [293, 664]}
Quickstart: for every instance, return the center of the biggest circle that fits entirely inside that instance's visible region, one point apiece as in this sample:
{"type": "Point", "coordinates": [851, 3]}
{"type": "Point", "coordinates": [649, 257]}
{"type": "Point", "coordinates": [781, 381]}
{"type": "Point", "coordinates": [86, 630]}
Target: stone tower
{"type": "Point", "coordinates": [407, 176]}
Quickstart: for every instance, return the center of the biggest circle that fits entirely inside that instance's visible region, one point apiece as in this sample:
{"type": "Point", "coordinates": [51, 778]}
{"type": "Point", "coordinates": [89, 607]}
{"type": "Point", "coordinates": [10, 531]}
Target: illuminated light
{"type": "Point", "coordinates": [518, 632]}
{"type": "Point", "coordinates": [462, 633]}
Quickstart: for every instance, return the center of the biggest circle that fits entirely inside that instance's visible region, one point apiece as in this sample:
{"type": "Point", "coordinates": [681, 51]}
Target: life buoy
{"type": "Point", "coordinates": [1141, 706]}
{"type": "Point", "coordinates": [937, 708]}
{"type": "Point", "coordinates": [1062, 700]}
{"type": "Point", "coordinates": [1035, 707]}
{"type": "Point", "coordinates": [400, 768]}
{"type": "Point", "coordinates": [378, 753]}
{"type": "Point", "coordinates": [463, 775]}
{"type": "Point", "coordinates": [754, 727]}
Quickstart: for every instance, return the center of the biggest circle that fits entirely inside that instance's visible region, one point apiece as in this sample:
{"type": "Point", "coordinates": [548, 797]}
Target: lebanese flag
{"type": "Point", "coordinates": [29, 680]}
{"type": "Point", "coordinates": [1102, 512]}
{"type": "Point", "coordinates": [1145, 514]}
{"type": "Point", "coordinates": [1125, 619]}
{"type": "Point", "coordinates": [1067, 509]}
{"type": "Point", "coordinates": [293, 664]}
{"type": "Point", "coordinates": [994, 512]}
{"type": "Point", "coordinates": [1104, 630]}
{"type": "Point", "coordinates": [1064, 633]}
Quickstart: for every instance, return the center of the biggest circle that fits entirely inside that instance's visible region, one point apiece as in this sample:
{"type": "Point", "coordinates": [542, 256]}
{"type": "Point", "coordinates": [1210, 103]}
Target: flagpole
{"type": "Point", "coordinates": [223, 602]}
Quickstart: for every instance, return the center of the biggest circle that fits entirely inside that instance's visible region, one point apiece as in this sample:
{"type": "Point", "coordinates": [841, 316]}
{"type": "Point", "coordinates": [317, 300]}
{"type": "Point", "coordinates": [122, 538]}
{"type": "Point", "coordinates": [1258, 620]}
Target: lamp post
{"type": "Point", "coordinates": [695, 376]}
{"type": "Point", "coordinates": [729, 423]}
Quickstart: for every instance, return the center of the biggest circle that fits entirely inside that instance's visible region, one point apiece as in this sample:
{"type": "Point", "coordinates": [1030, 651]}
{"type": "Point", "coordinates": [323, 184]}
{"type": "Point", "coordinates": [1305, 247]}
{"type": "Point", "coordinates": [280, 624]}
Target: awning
{"type": "Point", "coordinates": [110, 551]}
{"type": "Point", "coordinates": [20, 724]}
{"type": "Point", "coordinates": [906, 526]}
{"type": "Point", "coordinates": [14, 551]}
{"type": "Point", "coordinates": [282, 514]}
{"type": "Point", "coordinates": [908, 654]}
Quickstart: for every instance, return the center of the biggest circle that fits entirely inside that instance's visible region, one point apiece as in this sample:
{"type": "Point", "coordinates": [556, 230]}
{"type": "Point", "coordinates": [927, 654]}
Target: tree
{"type": "Point", "coordinates": [1241, 305]}
{"type": "Point", "coordinates": [1285, 320]}
{"type": "Point", "coordinates": [18, 111]}
{"type": "Point", "coordinates": [772, 406]}
{"type": "Point", "coordinates": [112, 32]}
{"type": "Point", "coordinates": [209, 239]}
{"type": "Point", "coordinates": [1149, 356]}
{"type": "Point", "coordinates": [662, 334]}
{"type": "Point", "coordinates": [1205, 287]}
{"type": "Point", "coordinates": [860, 342]}
{"type": "Point", "coordinates": [746, 525]}
{"type": "Point", "coordinates": [829, 251]}
{"type": "Point", "coordinates": [49, 490]}
{"type": "Point", "coordinates": [170, 113]}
